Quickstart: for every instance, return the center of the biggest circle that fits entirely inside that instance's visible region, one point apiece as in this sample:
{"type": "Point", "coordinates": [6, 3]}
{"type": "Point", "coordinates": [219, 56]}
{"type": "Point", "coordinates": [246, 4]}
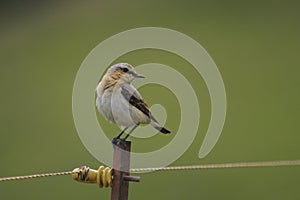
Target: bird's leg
{"type": "Point", "coordinates": [114, 140]}
{"type": "Point", "coordinates": [118, 137]}
{"type": "Point", "coordinates": [135, 126]}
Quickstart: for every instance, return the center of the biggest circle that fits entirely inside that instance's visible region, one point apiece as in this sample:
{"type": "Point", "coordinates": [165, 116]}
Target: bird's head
{"type": "Point", "coordinates": [123, 72]}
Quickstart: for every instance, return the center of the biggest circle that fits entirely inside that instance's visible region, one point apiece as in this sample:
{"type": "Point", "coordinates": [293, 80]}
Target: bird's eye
{"type": "Point", "coordinates": [124, 70]}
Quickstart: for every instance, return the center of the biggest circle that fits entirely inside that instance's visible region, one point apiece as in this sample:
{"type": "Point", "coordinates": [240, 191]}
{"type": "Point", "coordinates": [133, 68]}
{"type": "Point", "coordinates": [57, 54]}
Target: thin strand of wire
{"type": "Point", "coordinates": [192, 167]}
{"type": "Point", "coordinates": [222, 166]}
{"type": "Point", "coordinates": [35, 176]}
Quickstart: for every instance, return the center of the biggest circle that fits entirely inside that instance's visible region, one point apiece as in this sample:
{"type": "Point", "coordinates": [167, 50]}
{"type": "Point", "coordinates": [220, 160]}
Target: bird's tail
{"type": "Point", "coordinates": [157, 126]}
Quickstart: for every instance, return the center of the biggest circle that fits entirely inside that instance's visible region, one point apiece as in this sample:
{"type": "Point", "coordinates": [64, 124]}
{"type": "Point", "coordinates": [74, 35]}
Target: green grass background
{"type": "Point", "coordinates": [255, 45]}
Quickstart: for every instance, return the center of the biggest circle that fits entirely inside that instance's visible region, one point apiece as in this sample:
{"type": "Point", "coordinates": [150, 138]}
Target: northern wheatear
{"type": "Point", "coordinates": [119, 102]}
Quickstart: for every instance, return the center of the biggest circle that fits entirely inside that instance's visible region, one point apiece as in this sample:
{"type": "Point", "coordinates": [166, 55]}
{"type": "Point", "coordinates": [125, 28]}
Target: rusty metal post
{"type": "Point", "coordinates": [121, 167]}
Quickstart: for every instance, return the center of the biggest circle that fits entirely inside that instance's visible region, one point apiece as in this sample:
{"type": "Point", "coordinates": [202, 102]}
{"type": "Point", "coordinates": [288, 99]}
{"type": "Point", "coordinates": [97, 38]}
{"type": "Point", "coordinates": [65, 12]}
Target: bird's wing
{"type": "Point", "coordinates": [135, 99]}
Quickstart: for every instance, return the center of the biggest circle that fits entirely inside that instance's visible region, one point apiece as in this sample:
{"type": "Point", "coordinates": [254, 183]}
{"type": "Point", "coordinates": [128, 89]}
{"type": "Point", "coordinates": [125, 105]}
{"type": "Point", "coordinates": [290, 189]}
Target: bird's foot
{"type": "Point", "coordinates": [125, 138]}
{"type": "Point", "coordinates": [120, 142]}
{"type": "Point", "coordinates": [116, 140]}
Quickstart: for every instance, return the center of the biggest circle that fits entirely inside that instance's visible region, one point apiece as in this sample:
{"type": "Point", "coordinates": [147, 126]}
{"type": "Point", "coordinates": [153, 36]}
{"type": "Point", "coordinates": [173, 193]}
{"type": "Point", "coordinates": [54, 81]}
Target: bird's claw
{"type": "Point", "coordinates": [116, 140]}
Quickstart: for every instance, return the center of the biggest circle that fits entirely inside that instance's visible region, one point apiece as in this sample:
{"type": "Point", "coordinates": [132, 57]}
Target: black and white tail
{"type": "Point", "coordinates": [157, 126]}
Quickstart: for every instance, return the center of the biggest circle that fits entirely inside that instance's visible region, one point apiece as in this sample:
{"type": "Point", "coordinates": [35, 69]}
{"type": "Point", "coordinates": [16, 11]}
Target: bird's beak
{"type": "Point", "coordinates": [138, 75]}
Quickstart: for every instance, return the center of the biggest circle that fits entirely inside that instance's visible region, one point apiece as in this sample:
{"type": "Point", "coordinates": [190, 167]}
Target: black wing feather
{"type": "Point", "coordinates": [137, 102]}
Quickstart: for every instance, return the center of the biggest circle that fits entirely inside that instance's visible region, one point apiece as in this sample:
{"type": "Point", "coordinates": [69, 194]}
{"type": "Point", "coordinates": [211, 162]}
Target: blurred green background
{"type": "Point", "coordinates": [255, 45]}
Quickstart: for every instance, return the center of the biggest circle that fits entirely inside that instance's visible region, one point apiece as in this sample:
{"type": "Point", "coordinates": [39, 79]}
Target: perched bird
{"type": "Point", "coordinates": [120, 103]}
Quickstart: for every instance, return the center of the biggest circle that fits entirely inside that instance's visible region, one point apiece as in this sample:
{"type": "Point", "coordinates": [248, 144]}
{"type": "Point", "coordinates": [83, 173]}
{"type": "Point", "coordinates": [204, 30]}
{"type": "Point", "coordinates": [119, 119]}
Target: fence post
{"type": "Point", "coordinates": [121, 169]}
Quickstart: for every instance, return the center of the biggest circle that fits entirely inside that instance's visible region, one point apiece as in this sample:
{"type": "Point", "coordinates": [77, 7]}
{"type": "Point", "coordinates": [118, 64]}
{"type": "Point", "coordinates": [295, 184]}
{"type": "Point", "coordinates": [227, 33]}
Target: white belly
{"type": "Point", "coordinates": [122, 110]}
{"type": "Point", "coordinates": [115, 108]}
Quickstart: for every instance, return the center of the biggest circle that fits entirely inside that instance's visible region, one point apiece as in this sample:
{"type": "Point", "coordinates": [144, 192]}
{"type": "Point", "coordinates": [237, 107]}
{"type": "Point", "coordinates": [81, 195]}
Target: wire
{"type": "Point", "coordinates": [222, 166]}
{"type": "Point", "coordinates": [14, 178]}
{"type": "Point", "coordinates": [192, 167]}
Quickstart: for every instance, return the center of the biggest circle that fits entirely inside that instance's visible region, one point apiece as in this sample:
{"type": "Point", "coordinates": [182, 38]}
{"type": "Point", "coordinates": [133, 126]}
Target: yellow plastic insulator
{"type": "Point", "coordinates": [102, 177]}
